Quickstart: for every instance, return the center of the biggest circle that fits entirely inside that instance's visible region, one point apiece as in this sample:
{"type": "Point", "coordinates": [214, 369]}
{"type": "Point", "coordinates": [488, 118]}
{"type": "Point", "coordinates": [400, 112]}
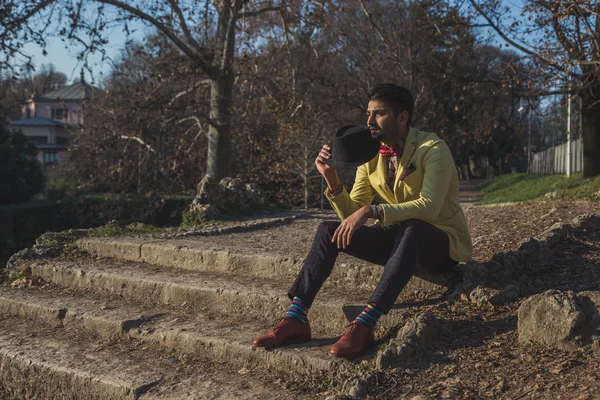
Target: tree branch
{"type": "Point", "coordinates": [517, 45]}
{"type": "Point", "coordinates": [202, 63]}
{"type": "Point", "coordinates": [29, 14]}
{"type": "Point", "coordinates": [137, 139]}
{"type": "Point", "coordinates": [175, 7]}
{"type": "Point", "coordinates": [257, 12]}
{"type": "Point", "coordinates": [374, 26]}
{"type": "Point", "coordinates": [184, 92]}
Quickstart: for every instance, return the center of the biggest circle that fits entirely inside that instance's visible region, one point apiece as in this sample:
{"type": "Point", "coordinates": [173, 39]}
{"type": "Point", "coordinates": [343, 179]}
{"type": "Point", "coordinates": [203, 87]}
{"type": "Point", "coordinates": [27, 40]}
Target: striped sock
{"type": "Point", "coordinates": [298, 310]}
{"type": "Point", "coordinates": [369, 316]}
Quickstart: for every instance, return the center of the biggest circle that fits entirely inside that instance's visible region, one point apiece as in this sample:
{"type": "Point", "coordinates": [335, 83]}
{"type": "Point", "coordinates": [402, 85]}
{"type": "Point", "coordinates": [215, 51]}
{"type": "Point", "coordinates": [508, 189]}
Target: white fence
{"type": "Point", "coordinates": [554, 160]}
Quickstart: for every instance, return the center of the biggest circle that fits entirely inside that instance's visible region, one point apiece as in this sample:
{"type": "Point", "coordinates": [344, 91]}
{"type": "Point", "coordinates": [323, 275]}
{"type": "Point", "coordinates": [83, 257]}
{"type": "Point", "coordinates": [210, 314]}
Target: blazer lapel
{"type": "Point", "coordinates": [382, 186]}
{"type": "Point", "coordinates": [410, 147]}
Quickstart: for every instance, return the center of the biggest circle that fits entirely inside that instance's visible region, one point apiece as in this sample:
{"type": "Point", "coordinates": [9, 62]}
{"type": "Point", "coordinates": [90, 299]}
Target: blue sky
{"type": "Point", "coordinates": [64, 55]}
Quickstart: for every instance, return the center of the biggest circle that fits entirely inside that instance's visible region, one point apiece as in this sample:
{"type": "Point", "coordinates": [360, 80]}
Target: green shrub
{"type": "Point", "coordinates": [21, 175]}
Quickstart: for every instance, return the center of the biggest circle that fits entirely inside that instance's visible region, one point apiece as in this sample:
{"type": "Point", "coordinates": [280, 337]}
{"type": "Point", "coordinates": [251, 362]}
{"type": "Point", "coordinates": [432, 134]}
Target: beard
{"type": "Point", "coordinates": [377, 134]}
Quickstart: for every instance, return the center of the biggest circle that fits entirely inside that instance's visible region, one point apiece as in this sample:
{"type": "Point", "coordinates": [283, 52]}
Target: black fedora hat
{"type": "Point", "coordinates": [352, 146]}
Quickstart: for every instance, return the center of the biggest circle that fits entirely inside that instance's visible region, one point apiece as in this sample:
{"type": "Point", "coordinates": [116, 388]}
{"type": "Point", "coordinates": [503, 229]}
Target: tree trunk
{"type": "Point", "coordinates": [591, 132]}
{"type": "Point", "coordinates": [221, 92]}
{"type": "Point", "coordinates": [219, 143]}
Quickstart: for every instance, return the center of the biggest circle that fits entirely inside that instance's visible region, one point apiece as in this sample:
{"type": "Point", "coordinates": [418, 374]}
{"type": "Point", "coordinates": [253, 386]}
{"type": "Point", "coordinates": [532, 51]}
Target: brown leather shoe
{"type": "Point", "coordinates": [287, 331]}
{"type": "Point", "coordinates": [354, 342]}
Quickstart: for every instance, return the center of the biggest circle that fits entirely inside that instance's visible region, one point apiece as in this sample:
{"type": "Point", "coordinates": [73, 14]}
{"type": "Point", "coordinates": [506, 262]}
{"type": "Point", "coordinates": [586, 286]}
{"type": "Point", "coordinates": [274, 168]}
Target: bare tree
{"type": "Point", "coordinates": [204, 31]}
{"type": "Point", "coordinates": [563, 37]}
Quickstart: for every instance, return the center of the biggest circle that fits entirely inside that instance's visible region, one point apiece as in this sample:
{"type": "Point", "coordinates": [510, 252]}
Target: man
{"type": "Point", "coordinates": [421, 221]}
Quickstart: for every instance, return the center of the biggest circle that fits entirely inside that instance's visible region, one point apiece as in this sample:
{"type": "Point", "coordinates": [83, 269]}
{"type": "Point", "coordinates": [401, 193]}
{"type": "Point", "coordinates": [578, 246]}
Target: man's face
{"type": "Point", "coordinates": [382, 123]}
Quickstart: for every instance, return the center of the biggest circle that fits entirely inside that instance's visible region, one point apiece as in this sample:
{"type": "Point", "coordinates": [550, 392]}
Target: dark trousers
{"type": "Point", "coordinates": [399, 248]}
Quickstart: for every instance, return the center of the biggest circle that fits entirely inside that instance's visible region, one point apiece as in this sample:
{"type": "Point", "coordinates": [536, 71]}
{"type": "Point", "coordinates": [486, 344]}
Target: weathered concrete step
{"type": "Point", "coordinates": [34, 365]}
{"type": "Point", "coordinates": [38, 362]}
{"type": "Point", "coordinates": [203, 255]}
{"type": "Point", "coordinates": [54, 307]}
{"type": "Point", "coordinates": [217, 338]}
{"type": "Point", "coordinates": [262, 299]}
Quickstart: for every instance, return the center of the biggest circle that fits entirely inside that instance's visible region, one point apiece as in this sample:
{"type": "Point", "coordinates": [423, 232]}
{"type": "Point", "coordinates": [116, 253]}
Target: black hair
{"type": "Point", "coordinates": [399, 97]}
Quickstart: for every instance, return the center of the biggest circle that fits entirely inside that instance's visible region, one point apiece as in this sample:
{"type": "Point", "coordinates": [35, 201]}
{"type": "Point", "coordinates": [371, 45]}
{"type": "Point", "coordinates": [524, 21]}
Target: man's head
{"type": "Point", "coordinates": [389, 111]}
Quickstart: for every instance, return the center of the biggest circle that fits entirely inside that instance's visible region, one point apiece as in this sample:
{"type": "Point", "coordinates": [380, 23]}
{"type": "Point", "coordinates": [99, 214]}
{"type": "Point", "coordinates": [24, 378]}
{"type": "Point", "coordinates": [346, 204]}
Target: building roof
{"type": "Point", "coordinates": [76, 92]}
{"type": "Point", "coordinates": [35, 121]}
{"type": "Point", "coordinates": [50, 146]}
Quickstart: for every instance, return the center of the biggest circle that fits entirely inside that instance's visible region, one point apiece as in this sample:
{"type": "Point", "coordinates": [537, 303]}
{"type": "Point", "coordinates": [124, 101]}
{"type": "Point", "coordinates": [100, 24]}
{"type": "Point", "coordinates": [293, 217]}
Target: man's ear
{"type": "Point", "coordinates": [403, 117]}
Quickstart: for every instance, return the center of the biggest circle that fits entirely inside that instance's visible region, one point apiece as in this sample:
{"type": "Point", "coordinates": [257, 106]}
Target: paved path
{"type": "Point", "coordinates": [468, 192]}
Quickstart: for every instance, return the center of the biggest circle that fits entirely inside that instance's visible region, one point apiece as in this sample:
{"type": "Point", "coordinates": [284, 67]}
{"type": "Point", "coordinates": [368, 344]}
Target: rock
{"type": "Point", "coordinates": [358, 390]}
{"type": "Point", "coordinates": [416, 334]}
{"type": "Point", "coordinates": [255, 195]}
{"type": "Point", "coordinates": [586, 221]}
{"type": "Point", "coordinates": [394, 355]}
{"type": "Point", "coordinates": [556, 232]}
{"type": "Point", "coordinates": [21, 255]}
{"type": "Point", "coordinates": [214, 199]}
{"type": "Point", "coordinates": [557, 319]}
{"type": "Point", "coordinates": [420, 330]}
{"type": "Point", "coordinates": [234, 184]}
{"type": "Point", "coordinates": [483, 296]}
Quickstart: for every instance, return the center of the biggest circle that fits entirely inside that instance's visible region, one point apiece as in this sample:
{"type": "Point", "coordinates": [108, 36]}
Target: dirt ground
{"type": "Point", "coordinates": [477, 355]}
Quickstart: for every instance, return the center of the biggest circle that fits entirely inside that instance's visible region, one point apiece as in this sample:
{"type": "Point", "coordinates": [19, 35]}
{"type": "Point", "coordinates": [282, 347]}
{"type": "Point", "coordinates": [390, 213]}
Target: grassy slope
{"type": "Point", "coordinates": [520, 187]}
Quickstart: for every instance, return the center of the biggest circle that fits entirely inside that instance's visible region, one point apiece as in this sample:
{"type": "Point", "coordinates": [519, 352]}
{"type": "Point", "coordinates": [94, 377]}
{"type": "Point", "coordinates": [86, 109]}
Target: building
{"type": "Point", "coordinates": [49, 119]}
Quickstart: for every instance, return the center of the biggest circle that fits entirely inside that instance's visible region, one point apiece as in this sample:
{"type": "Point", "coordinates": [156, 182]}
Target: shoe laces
{"type": "Point", "coordinates": [352, 325]}
{"type": "Point", "coordinates": [276, 324]}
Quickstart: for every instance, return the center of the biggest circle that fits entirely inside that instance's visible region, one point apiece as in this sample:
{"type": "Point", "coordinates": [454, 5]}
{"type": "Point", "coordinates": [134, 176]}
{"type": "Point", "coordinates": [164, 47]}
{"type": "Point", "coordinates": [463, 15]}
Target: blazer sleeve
{"type": "Point", "coordinates": [362, 194]}
{"type": "Point", "coordinates": [437, 164]}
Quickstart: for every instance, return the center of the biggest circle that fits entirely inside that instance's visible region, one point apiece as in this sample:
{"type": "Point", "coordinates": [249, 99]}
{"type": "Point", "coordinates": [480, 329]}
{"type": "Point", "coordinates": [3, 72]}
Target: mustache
{"type": "Point", "coordinates": [374, 127]}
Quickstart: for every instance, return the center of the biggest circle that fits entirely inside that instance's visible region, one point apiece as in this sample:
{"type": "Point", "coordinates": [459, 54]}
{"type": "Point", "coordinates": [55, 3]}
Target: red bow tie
{"type": "Point", "coordinates": [387, 151]}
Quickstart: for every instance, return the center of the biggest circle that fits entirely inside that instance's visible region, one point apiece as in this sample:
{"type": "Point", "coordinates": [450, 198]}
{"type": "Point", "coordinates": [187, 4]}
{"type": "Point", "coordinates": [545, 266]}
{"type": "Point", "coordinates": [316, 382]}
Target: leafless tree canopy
{"type": "Point", "coordinates": [253, 89]}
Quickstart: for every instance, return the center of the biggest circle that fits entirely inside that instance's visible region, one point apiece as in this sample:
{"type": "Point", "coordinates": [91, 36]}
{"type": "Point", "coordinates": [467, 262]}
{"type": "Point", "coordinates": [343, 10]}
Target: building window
{"type": "Point", "coordinates": [61, 140]}
{"type": "Point", "coordinates": [38, 139]}
{"type": "Point", "coordinates": [60, 113]}
{"type": "Point", "coordinates": [50, 158]}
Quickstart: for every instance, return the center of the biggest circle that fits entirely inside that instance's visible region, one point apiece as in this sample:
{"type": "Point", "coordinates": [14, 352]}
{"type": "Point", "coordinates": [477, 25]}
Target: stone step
{"type": "Point", "coordinates": [219, 339]}
{"type": "Point", "coordinates": [57, 307]}
{"type": "Point", "coordinates": [264, 300]}
{"type": "Point", "coordinates": [58, 363]}
{"type": "Point", "coordinates": [239, 259]}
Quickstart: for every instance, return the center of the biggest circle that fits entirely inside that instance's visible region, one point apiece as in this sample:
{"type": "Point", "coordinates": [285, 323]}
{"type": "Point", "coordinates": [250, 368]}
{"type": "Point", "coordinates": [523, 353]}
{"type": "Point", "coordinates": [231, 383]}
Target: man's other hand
{"type": "Point", "coordinates": [329, 173]}
{"type": "Point", "coordinates": [320, 162]}
{"type": "Point", "coordinates": [343, 234]}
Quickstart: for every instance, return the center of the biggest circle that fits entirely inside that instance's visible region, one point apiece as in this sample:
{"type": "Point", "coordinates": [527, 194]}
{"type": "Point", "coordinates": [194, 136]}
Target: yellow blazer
{"type": "Point", "coordinates": [429, 193]}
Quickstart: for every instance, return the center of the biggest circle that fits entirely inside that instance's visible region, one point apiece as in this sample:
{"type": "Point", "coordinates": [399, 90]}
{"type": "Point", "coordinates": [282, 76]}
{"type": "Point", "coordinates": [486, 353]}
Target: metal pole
{"type": "Point", "coordinates": [529, 140]}
{"type": "Point", "coordinates": [569, 129]}
{"type": "Point", "coordinates": [553, 140]}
